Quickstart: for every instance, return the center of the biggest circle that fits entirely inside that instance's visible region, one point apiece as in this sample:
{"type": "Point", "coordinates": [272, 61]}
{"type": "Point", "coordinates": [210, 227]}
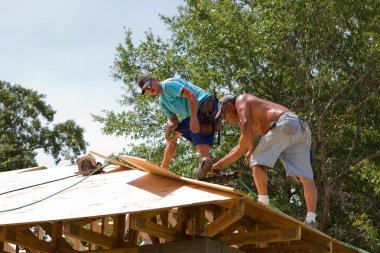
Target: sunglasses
{"type": "Point", "coordinates": [148, 88]}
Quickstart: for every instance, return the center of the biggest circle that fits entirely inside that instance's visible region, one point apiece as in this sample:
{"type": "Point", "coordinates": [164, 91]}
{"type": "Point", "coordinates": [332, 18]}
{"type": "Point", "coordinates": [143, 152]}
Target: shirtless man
{"type": "Point", "coordinates": [284, 136]}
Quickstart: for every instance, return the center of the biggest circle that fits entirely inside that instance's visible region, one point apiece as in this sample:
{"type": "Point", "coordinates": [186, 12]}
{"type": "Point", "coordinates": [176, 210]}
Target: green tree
{"type": "Point", "coordinates": [24, 128]}
{"type": "Point", "coordinates": [319, 58]}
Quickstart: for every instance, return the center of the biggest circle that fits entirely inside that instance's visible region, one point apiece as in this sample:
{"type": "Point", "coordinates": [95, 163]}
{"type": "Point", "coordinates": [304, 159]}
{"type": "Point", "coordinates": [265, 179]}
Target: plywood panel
{"type": "Point", "coordinates": [17, 179]}
{"type": "Point", "coordinates": [104, 194]}
{"type": "Point", "coordinates": [149, 167]}
{"type": "Point", "coordinates": [155, 169]}
{"type": "Point", "coordinates": [111, 160]}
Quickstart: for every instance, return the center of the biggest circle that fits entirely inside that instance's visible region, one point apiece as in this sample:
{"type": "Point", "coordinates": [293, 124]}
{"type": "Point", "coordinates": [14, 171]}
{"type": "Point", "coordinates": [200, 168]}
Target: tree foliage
{"type": "Point", "coordinates": [321, 59]}
{"type": "Point", "coordinates": [25, 127]}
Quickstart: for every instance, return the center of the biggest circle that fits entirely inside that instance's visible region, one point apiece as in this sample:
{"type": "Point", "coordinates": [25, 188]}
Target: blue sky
{"type": "Point", "coordinates": [65, 48]}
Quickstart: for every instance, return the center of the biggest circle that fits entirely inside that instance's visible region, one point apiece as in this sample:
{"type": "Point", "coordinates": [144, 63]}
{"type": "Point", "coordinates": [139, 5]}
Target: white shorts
{"type": "Point", "coordinates": [290, 141]}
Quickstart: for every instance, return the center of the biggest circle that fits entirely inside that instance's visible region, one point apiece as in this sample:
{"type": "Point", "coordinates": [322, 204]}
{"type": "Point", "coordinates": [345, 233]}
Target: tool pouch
{"type": "Point", "coordinates": [207, 114]}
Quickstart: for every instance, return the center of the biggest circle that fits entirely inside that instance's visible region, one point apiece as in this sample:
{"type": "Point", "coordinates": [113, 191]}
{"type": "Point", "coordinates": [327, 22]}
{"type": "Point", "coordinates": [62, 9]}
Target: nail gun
{"type": "Point", "coordinates": [219, 175]}
{"type": "Point", "coordinates": [223, 177]}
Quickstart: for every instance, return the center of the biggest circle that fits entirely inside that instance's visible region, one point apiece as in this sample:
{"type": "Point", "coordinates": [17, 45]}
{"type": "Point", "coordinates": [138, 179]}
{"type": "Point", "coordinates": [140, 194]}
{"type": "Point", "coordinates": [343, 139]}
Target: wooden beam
{"type": "Point", "coordinates": [180, 219]}
{"type": "Point", "coordinates": [19, 227]}
{"type": "Point", "coordinates": [24, 238]}
{"type": "Point", "coordinates": [154, 239]}
{"type": "Point", "coordinates": [317, 241]}
{"type": "Point", "coordinates": [132, 236]}
{"type": "Point", "coordinates": [82, 222]}
{"type": "Point", "coordinates": [164, 217]}
{"type": "Point", "coordinates": [76, 243]}
{"type": "Point", "coordinates": [47, 227]}
{"type": "Point", "coordinates": [28, 240]}
{"type": "Point", "coordinates": [56, 234]}
{"type": "Point", "coordinates": [141, 223]}
{"type": "Point", "coordinates": [286, 249]}
{"type": "Point", "coordinates": [49, 230]}
{"type": "Point", "coordinates": [321, 247]}
{"type": "Point", "coordinates": [200, 220]}
{"type": "Point", "coordinates": [118, 230]}
{"type": "Point", "coordinates": [97, 228]}
{"type": "Point", "coordinates": [7, 247]}
{"type": "Point", "coordinates": [119, 250]}
{"type": "Point", "coordinates": [75, 231]}
{"type": "Point", "coordinates": [242, 225]}
{"type": "Point", "coordinates": [273, 235]}
{"type": "Point", "coordinates": [266, 216]}
{"type": "Point", "coordinates": [228, 204]}
{"type": "Point", "coordinates": [226, 219]}
{"type": "Point", "coordinates": [40, 232]}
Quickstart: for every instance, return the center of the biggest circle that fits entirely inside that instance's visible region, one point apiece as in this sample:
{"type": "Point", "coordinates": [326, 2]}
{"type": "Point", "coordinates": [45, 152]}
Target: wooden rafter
{"type": "Point", "coordinates": [273, 235]}
{"type": "Point", "coordinates": [27, 239]}
{"type": "Point", "coordinates": [119, 230]}
{"type": "Point", "coordinates": [81, 233]}
{"type": "Point", "coordinates": [226, 219]}
{"type": "Point", "coordinates": [141, 223]}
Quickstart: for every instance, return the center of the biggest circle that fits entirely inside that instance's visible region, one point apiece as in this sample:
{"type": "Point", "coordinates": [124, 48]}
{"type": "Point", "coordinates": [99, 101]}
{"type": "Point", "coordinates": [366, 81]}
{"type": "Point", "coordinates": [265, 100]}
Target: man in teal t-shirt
{"type": "Point", "coordinates": [178, 97]}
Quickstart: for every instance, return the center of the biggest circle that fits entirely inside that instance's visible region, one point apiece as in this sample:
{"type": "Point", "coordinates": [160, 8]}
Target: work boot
{"type": "Point", "coordinates": [203, 168]}
{"type": "Point", "coordinates": [312, 224]}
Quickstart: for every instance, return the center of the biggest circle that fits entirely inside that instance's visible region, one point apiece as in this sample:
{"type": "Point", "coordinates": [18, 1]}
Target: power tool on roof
{"type": "Point", "coordinates": [87, 165]}
{"type": "Point", "coordinates": [219, 175]}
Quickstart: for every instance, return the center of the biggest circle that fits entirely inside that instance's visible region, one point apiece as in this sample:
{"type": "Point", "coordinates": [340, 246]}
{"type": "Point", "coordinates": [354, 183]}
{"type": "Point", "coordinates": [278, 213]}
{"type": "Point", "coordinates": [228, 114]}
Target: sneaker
{"type": "Point", "coordinates": [203, 168]}
{"type": "Point", "coordinates": [312, 224]}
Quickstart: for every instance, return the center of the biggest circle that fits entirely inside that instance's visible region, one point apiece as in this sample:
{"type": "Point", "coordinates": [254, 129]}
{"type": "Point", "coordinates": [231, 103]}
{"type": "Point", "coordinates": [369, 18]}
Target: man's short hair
{"type": "Point", "coordinates": [223, 102]}
{"type": "Point", "coordinates": [143, 82]}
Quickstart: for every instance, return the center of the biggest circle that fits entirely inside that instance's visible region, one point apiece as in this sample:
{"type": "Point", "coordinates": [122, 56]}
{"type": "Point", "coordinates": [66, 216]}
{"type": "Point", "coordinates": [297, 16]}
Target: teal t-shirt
{"type": "Point", "coordinates": [171, 100]}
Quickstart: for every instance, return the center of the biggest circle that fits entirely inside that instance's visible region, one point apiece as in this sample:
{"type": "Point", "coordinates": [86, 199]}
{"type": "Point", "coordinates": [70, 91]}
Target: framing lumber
{"type": "Point", "coordinates": [56, 234]}
{"type": "Point", "coordinates": [134, 249]}
{"type": "Point", "coordinates": [273, 235]}
{"type": "Point", "coordinates": [226, 219]}
{"type": "Point", "coordinates": [26, 239]}
{"type": "Point", "coordinates": [119, 230]}
{"type": "Point", "coordinates": [141, 223]}
{"type": "Point", "coordinates": [287, 249]}
{"type": "Point", "coordinates": [77, 232]}
{"type": "Point", "coordinates": [200, 220]}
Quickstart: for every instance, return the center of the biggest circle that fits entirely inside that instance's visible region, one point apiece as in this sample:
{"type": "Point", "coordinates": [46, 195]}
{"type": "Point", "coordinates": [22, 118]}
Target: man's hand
{"type": "Point", "coordinates": [215, 166]}
{"type": "Point", "coordinates": [169, 131]}
{"type": "Point", "coordinates": [247, 157]}
{"type": "Point", "coordinates": [194, 125]}
{"type": "Point", "coordinates": [172, 125]}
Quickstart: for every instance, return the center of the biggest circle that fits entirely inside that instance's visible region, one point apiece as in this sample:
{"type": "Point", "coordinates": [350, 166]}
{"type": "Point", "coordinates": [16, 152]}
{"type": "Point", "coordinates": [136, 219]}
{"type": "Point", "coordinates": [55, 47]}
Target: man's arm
{"type": "Point", "coordinates": [193, 104]}
{"type": "Point", "coordinates": [246, 136]}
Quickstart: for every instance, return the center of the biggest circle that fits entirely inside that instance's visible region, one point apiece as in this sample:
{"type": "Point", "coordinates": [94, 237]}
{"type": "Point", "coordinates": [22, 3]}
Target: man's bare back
{"type": "Point", "coordinates": [262, 112]}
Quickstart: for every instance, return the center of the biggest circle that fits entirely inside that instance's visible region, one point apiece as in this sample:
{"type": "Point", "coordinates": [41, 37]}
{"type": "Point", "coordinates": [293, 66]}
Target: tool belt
{"type": "Point", "coordinates": [206, 115]}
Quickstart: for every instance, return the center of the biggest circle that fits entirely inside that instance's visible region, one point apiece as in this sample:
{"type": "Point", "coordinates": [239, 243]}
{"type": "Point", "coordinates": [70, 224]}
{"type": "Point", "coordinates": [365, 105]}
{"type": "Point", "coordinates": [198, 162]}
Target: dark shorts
{"type": "Point", "coordinates": [195, 138]}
